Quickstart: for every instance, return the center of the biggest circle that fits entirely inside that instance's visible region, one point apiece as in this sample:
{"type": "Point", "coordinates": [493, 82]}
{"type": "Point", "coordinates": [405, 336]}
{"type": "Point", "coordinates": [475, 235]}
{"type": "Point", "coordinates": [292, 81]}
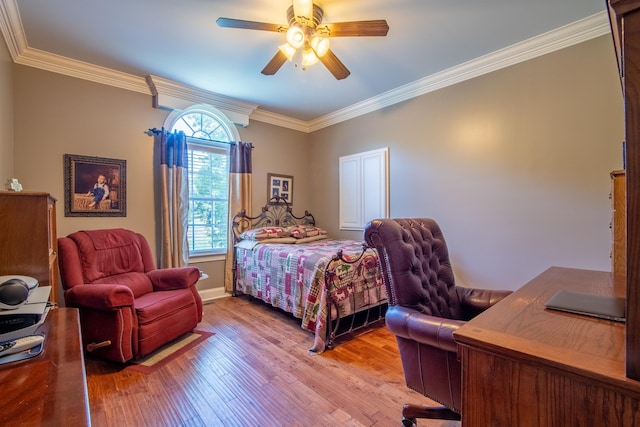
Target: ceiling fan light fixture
{"type": "Point", "coordinates": [320, 45]}
{"type": "Point", "coordinates": [295, 37]}
{"type": "Point", "coordinates": [308, 58]}
{"type": "Point", "coordinates": [307, 38]}
{"type": "Point", "coordinates": [288, 50]}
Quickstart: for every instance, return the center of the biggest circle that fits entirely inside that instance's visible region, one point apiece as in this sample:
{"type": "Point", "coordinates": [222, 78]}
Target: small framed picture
{"type": "Point", "coordinates": [94, 186]}
{"type": "Point", "coordinates": [280, 186]}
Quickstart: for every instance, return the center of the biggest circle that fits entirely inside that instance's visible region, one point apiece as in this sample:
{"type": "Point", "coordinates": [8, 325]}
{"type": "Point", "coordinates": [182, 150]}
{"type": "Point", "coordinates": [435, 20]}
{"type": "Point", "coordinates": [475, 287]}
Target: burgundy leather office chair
{"type": "Point", "coordinates": [128, 308]}
{"type": "Point", "coordinates": [425, 308]}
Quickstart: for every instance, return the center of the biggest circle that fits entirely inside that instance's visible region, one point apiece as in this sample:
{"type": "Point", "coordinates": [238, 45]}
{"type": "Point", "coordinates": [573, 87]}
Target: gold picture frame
{"type": "Point", "coordinates": [94, 186]}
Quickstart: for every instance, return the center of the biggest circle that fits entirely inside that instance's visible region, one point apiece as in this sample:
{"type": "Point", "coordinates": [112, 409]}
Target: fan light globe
{"type": "Point", "coordinates": [295, 37]}
{"type": "Point", "coordinates": [308, 58]}
{"type": "Point", "coordinates": [320, 45]}
{"type": "Point", "coordinates": [288, 50]}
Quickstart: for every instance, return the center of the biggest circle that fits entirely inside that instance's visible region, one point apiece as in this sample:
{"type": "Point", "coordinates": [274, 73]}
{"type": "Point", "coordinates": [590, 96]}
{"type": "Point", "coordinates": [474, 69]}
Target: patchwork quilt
{"type": "Point", "coordinates": [292, 278]}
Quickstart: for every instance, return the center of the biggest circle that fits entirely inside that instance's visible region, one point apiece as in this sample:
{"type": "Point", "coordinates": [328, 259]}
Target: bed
{"type": "Point", "coordinates": [333, 286]}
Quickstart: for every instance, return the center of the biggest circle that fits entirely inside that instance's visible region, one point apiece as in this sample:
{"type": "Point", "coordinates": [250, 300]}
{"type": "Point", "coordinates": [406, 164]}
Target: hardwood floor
{"type": "Point", "coordinates": [256, 371]}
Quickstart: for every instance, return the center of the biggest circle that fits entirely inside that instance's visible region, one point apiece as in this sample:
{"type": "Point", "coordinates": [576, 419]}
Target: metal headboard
{"type": "Point", "coordinates": [276, 213]}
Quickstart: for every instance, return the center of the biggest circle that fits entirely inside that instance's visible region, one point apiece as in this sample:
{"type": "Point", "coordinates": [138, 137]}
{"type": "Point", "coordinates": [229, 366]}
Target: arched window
{"type": "Point", "coordinates": [208, 133]}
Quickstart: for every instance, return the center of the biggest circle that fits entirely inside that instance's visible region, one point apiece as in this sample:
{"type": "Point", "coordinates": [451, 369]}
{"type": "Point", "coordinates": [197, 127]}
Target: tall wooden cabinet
{"type": "Point", "coordinates": [625, 25]}
{"type": "Point", "coordinates": [28, 240]}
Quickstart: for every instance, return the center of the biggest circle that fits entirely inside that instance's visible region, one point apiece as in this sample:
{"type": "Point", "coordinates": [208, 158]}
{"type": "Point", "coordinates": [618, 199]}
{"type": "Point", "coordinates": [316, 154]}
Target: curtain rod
{"type": "Point", "coordinates": [154, 131]}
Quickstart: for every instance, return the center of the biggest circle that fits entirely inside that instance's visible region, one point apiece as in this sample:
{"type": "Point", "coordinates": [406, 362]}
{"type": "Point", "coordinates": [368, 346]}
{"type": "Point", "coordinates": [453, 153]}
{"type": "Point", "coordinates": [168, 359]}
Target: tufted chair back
{"type": "Point", "coordinates": [416, 267]}
{"type": "Point", "coordinates": [425, 308]}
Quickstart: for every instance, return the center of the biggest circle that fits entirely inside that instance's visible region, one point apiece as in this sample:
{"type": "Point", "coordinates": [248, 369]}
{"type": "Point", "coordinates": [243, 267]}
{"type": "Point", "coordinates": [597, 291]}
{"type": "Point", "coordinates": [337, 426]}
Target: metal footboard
{"type": "Point", "coordinates": [360, 317]}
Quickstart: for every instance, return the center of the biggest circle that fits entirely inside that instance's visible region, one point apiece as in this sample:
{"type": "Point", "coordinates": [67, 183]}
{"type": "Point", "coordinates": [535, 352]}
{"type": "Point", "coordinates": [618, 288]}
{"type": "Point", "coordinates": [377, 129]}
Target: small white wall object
{"type": "Point", "coordinates": [364, 188]}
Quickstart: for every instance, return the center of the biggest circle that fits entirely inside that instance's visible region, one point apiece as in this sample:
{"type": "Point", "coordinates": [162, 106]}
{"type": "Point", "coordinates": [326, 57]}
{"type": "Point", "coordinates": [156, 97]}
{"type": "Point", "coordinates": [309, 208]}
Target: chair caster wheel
{"type": "Point", "coordinates": [409, 422]}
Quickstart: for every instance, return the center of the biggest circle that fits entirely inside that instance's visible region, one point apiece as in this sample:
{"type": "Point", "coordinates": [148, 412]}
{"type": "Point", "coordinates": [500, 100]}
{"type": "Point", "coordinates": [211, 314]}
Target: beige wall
{"type": "Point", "coordinates": [514, 165]}
{"type": "Point", "coordinates": [281, 151]}
{"type": "Point", "coordinates": [57, 115]}
{"type": "Point", "coordinates": [6, 114]}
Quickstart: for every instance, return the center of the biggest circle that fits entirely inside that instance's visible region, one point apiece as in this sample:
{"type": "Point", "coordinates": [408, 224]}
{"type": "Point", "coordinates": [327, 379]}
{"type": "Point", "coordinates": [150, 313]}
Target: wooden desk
{"type": "Point", "coordinates": [524, 365]}
{"type": "Point", "coordinates": [49, 389]}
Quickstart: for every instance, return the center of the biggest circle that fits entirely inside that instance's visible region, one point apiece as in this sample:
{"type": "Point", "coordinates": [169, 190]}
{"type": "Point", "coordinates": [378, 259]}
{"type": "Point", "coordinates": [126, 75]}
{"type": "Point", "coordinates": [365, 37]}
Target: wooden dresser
{"type": "Point", "coordinates": [525, 365]}
{"type": "Point", "coordinates": [28, 240]}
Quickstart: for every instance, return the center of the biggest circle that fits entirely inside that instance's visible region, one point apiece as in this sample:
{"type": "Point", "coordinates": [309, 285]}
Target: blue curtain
{"type": "Point", "coordinates": [239, 197]}
{"type": "Point", "coordinates": [174, 198]}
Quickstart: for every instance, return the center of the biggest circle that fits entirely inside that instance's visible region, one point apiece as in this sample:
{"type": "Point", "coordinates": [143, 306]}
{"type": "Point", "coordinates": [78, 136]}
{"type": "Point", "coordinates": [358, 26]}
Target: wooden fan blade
{"type": "Point", "coordinates": [377, 27]}
{"type": "Point", "coordinates": [250, 25]}
{"type": "Point", "coordinates": [334, 65]}
{"type": "Point", "coordinates": [274, 65]}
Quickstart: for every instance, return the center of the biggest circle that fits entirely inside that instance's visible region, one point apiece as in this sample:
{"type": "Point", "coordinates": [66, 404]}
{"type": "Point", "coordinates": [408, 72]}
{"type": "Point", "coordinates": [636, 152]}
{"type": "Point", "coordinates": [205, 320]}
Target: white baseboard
{"type": "Point", "coordinates": [209, 295]}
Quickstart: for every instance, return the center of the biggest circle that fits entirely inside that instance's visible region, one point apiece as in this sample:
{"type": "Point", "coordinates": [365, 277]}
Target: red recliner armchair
{"type": "Point", "coordinates": [425, 308]}
{"type": "Point", "coordinates": [128, 308]}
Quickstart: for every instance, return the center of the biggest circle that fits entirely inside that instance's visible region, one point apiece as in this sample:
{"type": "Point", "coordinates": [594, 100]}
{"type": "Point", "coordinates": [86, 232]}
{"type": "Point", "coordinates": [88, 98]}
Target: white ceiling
{"type": "Point", "coordinates": [180, 41]}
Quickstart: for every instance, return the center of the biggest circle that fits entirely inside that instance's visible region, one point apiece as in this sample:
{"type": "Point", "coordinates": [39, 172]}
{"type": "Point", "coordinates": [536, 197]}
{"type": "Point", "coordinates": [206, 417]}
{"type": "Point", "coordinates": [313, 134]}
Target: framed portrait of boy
{"type": "Point", "coordinates": [94, 186]}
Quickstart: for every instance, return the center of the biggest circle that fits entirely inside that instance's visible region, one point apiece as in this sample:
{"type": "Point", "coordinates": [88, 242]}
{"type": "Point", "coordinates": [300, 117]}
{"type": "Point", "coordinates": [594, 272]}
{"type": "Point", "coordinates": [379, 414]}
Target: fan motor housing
{"type": "Point", "coordinates": [318, 14]}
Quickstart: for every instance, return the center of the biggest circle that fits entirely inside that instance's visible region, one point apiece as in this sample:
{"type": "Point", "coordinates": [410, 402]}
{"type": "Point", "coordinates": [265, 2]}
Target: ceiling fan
{"type": "Point", "coordinates": [308, 35]}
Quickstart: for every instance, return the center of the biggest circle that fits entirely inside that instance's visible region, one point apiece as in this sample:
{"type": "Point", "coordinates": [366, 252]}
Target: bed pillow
{"type": "Point", "coordinates": [311, 239]}
{"type": "Point", "coordinates": [302, 231]}
{"type": "Point", "coordinates": [263, 233]}
{"type": "Point", "coordinates": [279, 240]}
{"type": "Point", "coordinates": [250, 244]}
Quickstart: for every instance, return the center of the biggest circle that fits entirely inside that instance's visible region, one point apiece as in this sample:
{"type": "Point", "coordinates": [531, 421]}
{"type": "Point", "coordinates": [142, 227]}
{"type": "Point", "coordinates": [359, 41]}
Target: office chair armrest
{"type": "Point", "coordinates": [423, 328]}
{"type": "Point", "coordinates": [166, 279]}
{"type": "Point", "coordinates": [99, 297]}
{"type": "Point", "coordinates": [475, 301]}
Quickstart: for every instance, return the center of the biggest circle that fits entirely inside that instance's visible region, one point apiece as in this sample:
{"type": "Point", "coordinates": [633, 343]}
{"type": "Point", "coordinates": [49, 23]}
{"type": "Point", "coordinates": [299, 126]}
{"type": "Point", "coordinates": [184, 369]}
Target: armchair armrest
{"type": "Point", "coordinates": [166, 279]}
{"type": "Point", "coordinates": [423, 328]}
{"type": "Point", "coordinates": [475, 301]}
{"type": "Point", "coordinates": [99, 297]}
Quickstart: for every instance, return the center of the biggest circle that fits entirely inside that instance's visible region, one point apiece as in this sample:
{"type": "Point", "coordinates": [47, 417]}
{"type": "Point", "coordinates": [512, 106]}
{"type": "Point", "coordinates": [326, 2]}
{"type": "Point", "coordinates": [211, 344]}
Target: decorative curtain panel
{"type": "Point", "coordinates": [239, 197]}
{"type": "Point", "coordinates": [174, 198]}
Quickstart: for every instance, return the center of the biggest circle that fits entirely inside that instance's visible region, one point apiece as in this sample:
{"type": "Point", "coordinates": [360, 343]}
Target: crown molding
{"type": "Point", "coordinates": [21, 53]}
{"type": "Point", "coordinates": [176, 94]}
{"type": "Point", "coordinates": [11, 27]}
{"type": "Point", "coordinates": [280, 120]}
{"type": "Point", "coordinates": [560, 38]}
{"type": "Point", "coordinates": [81, 70]}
